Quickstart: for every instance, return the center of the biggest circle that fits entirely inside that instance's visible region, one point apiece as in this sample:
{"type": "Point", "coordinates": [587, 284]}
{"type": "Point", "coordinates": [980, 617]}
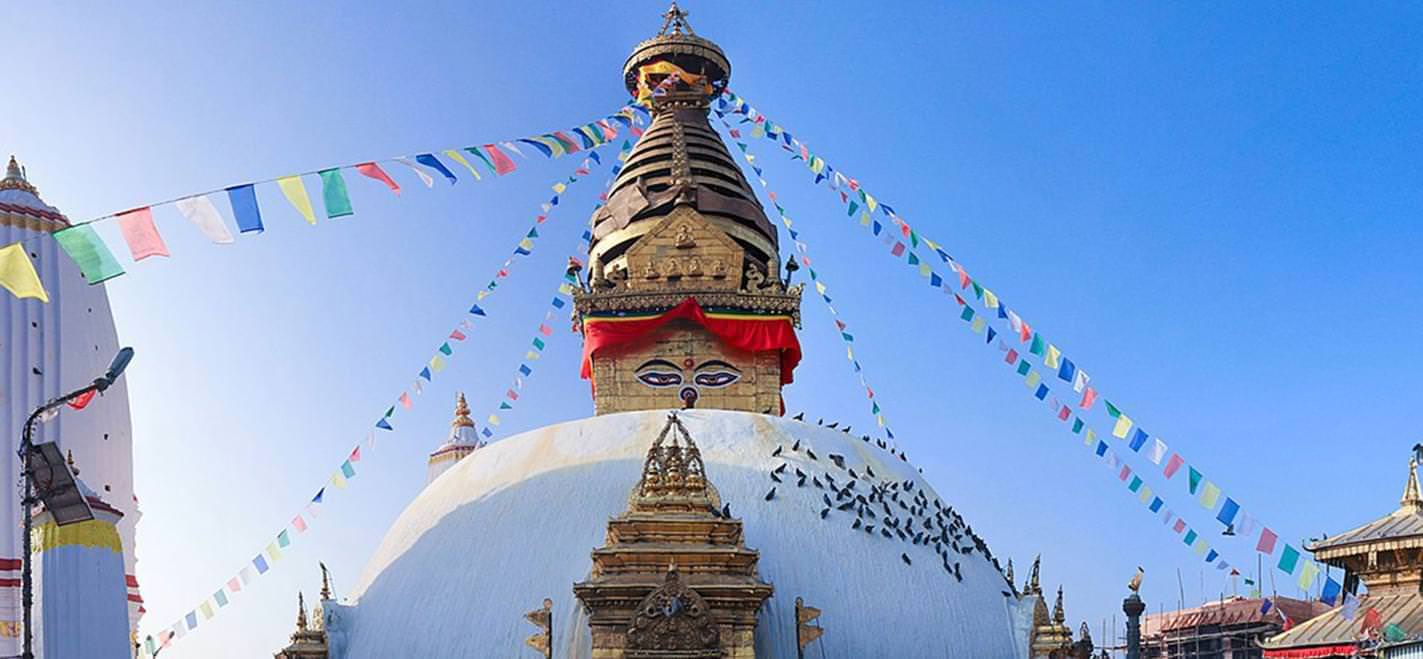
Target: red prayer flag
{"type": "Point", "coordinates": [1267, 542]}
{"type": "Point", "coordinates": [513, 395]}
{"type": "Point", "coordinates": [1027, 332]}
{"type": "Point", "coordinates": [372, 170]}
{"type": "Point", "coordinates": [964, 280]}
{"type": "Point", "coordinates": [457, 335]}
{"type": "Point", "coordinates": [298, 523]}
{"type": "Point", "coordinates": [1011, 357]}
{"type": "Point", "coordinates": [234, 584]}
{"type": "Point", "coordinates": [1173, 464]}
{"type": "Point", "coordinates": [140, 234]}
{"type": "Point", "coordinates": [1180, 525]}
{"type": "Point", "coordinates": [83, 400]}
{"type": "Point", "coordinates": [1126, 471]}
{"type": "Point", "coordinates": [355, 454]}
{"type": "Point", "coordinates": [405, 400]}
{"type": "Point", "coordinates": [545, 330]}
{"type": "Point", "coordinates": [1088, 397]}
{"type": "Point", "coordinates": [503, 164]}
{"type": "Point", "coordinates": [898, 249]}
{"type": "Point", "coordinates": [1063, 413]}
{"type": "Point", "coordinates": [567, 142]}
{"type": "Point", "coordinates": [636, 131]}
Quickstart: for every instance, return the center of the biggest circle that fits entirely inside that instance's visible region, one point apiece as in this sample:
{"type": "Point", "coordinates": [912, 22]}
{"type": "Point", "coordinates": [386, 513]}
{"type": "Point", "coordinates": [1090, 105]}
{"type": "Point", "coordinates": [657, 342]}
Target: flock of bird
{"type": "Point", "coordinates": [888, 508]}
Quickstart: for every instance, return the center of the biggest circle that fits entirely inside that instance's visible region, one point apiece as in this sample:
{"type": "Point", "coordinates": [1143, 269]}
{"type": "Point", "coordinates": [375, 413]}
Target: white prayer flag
{"type": "Point", "coordinates": [200, 211]}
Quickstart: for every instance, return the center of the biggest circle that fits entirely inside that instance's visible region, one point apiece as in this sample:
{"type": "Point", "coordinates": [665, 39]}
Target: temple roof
{"type": "Point", "coordinates": [1332, 628]}
{"type": "Point", "coordinates": [1404, 524]}
{"type": "Point", "coordinates": [1233, 611]}
{"type": "Point", "coordinates": [20, 202]}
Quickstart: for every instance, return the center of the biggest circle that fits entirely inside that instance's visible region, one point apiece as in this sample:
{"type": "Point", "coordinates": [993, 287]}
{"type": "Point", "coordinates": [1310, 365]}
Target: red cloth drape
{"type": "Point", "coordinates": [743, 332]}
{"type": "Point", "coordinates": [1316, 652]}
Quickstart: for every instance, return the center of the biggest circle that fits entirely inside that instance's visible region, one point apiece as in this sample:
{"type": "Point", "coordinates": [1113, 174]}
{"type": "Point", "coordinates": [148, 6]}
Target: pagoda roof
{"type": "Point", "coordinates": [1400, 529]}
{"type": "Point", "coordinates": [1233, 611]}
{"type": "Point", "coordinates": [1404, 609]}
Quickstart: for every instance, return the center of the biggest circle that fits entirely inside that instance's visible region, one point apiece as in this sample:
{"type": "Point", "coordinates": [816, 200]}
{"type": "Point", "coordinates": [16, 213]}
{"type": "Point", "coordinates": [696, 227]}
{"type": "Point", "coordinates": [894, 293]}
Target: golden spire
{"type": "Point", "coordinates": [1057, 614]}
{"type": "Point", "coordinates": [1032, 588]}
{"type": "Point", "coordinates": [1411, 502]}
{"type": "Point", "coordinates": [675, 19]}
{"type": "Point", "coordinates": [300, 612]}
{"type": "Point", "coordinates": [462, 419]}
{"type": "Point", "coordinates": [325, 582]}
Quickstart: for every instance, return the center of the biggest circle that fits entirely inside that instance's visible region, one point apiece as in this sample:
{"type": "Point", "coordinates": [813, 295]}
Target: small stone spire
{"type": "Point", "coordinates": [1412, 501]}
{"type": "Point", "coordinates": [300, 612]}
{"type": "Point", "coordinates": [462, 419]}
{"type": "Point", "coordinates": [325, 582]}
{"type": "Point", "coordinates": [1058, 616]}
{"type": "Point", "coordinates": [1032, 587]}
{"type": "Point", "coordinates": [1009, 573]}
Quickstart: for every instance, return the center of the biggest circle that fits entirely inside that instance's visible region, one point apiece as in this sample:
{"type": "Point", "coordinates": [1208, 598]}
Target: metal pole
{"type": "Point", "coordinates": [26, 578]}
{"type": "Point", "coordinates": [1133, 607]}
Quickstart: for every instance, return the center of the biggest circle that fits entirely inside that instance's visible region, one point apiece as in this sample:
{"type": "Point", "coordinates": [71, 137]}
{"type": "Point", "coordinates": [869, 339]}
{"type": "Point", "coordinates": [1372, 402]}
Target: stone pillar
{"type": "Point", "coordinates": [1133, 607]}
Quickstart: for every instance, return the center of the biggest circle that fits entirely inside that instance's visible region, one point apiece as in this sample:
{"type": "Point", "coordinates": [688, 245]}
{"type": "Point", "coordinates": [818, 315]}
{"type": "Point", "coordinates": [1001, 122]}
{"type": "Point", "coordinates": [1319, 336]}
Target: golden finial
{"type": "Point", "coordinates": [300, 612]}
{"type": "Point", "coordinates": [1412, 501]}
{"type": "Point", "coordinates": [675, 20]}
{"type": "Point", "coordinates": [1057, 614]}
{"type": "Point", "coordinates": [325, 582]}
{"type": "Point", "coordinates": [462, 419]}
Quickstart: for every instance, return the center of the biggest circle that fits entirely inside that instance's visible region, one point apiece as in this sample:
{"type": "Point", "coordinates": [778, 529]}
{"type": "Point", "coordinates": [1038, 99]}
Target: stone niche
{"type": "Point", "coordinates": [682, 359]}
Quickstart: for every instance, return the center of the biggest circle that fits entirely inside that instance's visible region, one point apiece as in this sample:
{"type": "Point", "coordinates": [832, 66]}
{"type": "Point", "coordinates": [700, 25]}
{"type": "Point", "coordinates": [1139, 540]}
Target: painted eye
{"type": "Point", "coordinates": [716, 378]}
{"type": "Point", "coordinates": [660, 379]}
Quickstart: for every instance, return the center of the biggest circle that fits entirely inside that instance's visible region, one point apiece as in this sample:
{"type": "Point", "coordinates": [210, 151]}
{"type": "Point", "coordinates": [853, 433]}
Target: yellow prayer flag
{"type": "Point", "coordinates": [17, 273]}
{"type": "Point", "coordinates": [925, 270]}
{"type": "Point", "coordinates": [989, 298]}
{"type": "Point", "coordinates": [880, 420]}
{"type": "Point", "coordinates": [1123, 426]}
{"type": "Point", "coordinates": [295, 192]}
{"type": "Point", "coordinates": [532, 354]}
{"type": "Point", "coordinates": [1200, 546]}
{"type": "Point", "coordinates": [864, 219]}
{"type": "Point", "coordinates": [870, 201]}
{"type": "Point", "coordinates": [527, 244]}
{"type": "Point", "coordinates": [1050, 360]}
{"type": "Point", "coordinates": [494, 419]}
{"type": "Point", "coordinates": [849, 353]}
{"type": "Point", "coordinates": [1306, 576]}
{"type": "Point", "coordinates": [978, 324]}
{"type": "Point", "coordinates": [1032, 380]}
{"type": "Point", "coordinates": [481, 295]}
{"type": "Point", "coordinates": [437, 364]}
{"type": "Point", "coordinates": [559, 187]}
{"type": "Point", "coordinates": [820, 288]}
{"type": "Point", "coordinates": [339, 480]}
{"type": "Point", "coordinates": [566, 289]}
{"type": "Point", "coordinates": [1091, 437]}
{"type": "Point", "coordinates": [1145, 494]}
{"type": "Point", "coordinates": [455, 156]}
{"type": "Point", "coordinates": [273, 552]}
{"type": "Point", "coordinates": [1209, 494]}
{"type": "Point", "coordinates": [206, 608]}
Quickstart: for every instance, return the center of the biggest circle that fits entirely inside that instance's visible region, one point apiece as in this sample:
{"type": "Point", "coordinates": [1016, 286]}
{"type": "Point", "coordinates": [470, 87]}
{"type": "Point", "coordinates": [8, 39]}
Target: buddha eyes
{"type": "Point", "coordinates": [716, 378]}
{"type": "Point", "coordinates": [660, 379]}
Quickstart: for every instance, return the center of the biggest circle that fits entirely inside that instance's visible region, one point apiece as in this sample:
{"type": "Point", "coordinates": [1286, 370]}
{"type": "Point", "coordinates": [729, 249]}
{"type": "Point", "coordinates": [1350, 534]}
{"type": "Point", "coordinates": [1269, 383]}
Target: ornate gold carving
{"type": "Point", "coordinates": [673, 621]}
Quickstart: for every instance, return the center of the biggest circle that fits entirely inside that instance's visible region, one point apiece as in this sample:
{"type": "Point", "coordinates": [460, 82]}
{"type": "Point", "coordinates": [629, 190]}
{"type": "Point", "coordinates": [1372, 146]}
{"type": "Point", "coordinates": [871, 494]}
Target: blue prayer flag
{"type": "Point", "coordinates": [1067, 370]}
{"type": "Point", "coordinates": [877, 227]}
{"type": "Point", "coordinates": [383, 425]}
{"type": "Point", "coordinates": [595, 157]}
{"type": "Point", "coordinates": [425, 373]}
{"type": "Point", "coordinates": [992, 333]}
{"type": "Point", "coordinates": [476, 310]}
{"type": "Point", "coordinates": [524, 369]}
{"type": "Point", "coordinates": [1265, 605]}
{"type": "Point", "coordinates": [1330, 594]}
{"type": "Point", "coordinates": [1211, 556]}
{"type": "Point", "coordinates": [319, 493]}
{"type": "Point", "coordinates": [1041, 393]}
{"type": "Point", "coordinates": [1101, 448]}
{"type": "Point", "coordinates": [558, 303]}
{"type": "Point", "coordinates": [1138, 440]}
{"type": "Point", "coordinates": [429, 160]}
{"type": "Point", "coordinates": [1228, 511]}
{"type": "Point", "coordinates": [244, 207]}
{"type": "Point", "coordinates": [260, 562]}
{"type": "Point", "coordinates": [935, 280]}
{"type": "Point", "coordinates": [487, 433]}
{"type": "Point", "coordinates": [1156, 504]}
{"type": "Point", "coordinates": [192, 620]}
{"type": "Point", "coordinates": [521, 251]}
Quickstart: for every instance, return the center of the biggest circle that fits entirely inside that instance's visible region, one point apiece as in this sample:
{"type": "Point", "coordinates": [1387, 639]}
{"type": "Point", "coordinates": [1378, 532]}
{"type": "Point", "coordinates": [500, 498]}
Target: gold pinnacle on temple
{"type": "Point", "coordinates": [462, 419]}
{"type": "Point", "coordinates": [675, 19]}
{"type": "Point", "coordinates": [300, 612]}
{"type": "Point", "coordinates": [325, 582]}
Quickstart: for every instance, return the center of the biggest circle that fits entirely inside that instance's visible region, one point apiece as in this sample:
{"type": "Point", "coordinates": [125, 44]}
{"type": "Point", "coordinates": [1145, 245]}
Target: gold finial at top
{"type": "Point", "coordinates": [300, 612]}
{"type": "Point", "coordinates": [1057, 613]}
{"type": "Point", "coordinates": [462, 419]}
{"type": "Point", "coordinates": [675, 20]}
{"type": "Point", "coordinates": [1412, 501]}
{"type": "Point", "coordinates": [1135, 583]}
{"type": "Point", "coordinates": [1032, 587]}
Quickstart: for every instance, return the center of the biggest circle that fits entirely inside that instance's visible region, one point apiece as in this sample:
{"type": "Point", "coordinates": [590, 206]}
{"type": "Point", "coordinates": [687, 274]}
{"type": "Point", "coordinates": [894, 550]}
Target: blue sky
{"type": "Point", "coordinates": [1213, 209]}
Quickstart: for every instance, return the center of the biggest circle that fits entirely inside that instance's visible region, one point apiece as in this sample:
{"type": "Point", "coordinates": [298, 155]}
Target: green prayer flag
{"type": "Point", "coordinates": [479, 153]}
{"type": "Point", "coordinates": [1024, 367]}
{"type": "Point", "coordinates": [333, 192]}
{"type": "Point", "coordinates": [538, 343]}
{"type": "Point", "coordinates": [504, 405]}
{"type": "Point", "coordinates": [853, 207]}
{"type": "Point", "coordinates": [967, 313]}
{"type": "Point", "coordinates": [1195, 479]}
{"type": "Point", "coordinates": [533, 233]}
{"type": "Point", "coordinates": [1289, 558]}
{"type": "Point", "coordinates": [89, 253]}
{"type": "Point", "coordinates": [1112, 409]}
{"type": "Point", "coordinates": [1135, 483]}
{"type": "Point", "coordinates": [1077, 426]}
{"type": "Point", "coordinates": [913, 238]}
{"type": "Point", "coordinates": [348, 470]}
{"type": "Point", "coordinates": [913, 259]}
{"type": "Point", "coordinates": [390, 411]}
{"type": "Point", "coordinates": [1037, 347]}
{"type": "Point", "coordinates": [219, 596]}
{"type": "Point", "coordinates": [978, 290]}
{"type": "Point", "coordinates": [874, 408]}
{"type": "Point", "coordinates": [283, 539]}
{"type": "Point", "coordinates": [1190, 538]}
{"type": "Point", "coordinates": [445, 348]}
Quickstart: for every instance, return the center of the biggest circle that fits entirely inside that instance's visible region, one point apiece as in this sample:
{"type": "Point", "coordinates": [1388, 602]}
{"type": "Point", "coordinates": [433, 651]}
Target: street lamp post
{"type": "Point", "coordinates": [99, 385]}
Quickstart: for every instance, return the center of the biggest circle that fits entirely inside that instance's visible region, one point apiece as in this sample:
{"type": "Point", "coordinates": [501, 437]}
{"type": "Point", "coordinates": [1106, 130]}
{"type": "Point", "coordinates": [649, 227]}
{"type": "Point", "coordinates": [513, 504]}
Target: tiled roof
{"type": "Point", "coordinates": [1402, 609]}
{"type": "Point", "coordinates": [1234, 611]}
{"type": "Point", "coordinates": [1401, 523]}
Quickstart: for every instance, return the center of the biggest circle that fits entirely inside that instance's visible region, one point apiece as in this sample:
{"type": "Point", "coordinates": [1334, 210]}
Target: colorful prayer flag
{"type": "Point", "coordinates": [244, 208]}
{"type": "Point", "coordinates": [17, 273]}
{"type": "Point", "coordinates": [1228, 511]}
{"type": "Point", "coordinates": [295, 192]}
{"type": "Point", "coordinates": [455, 156]}
{"type": "Point", "coordinates": [333, 194]}
{"type": "Point", "coordinates": [203, 214]}
{"type": "Point", "coordinates": [1123, 425]}
{"type": "Point", "coordinates": [1266, 545]}
{"type": "Point", "coordinates": [429, 160]}
{"type": "Point", "coordinates": [1173, 465]}
{"type": "Point", "coordinates": [372, 170]}
{"type": "Point", "coordinates": [89, 252]}
{"type": "Point", "coordinates": [1194, 478]}
{"type": "Point", "coordinates": [140, 234]}
{"type": "Point", "coordinates": [1209, 495]}
{"type": "Point", "coordinates": [1289, 559]}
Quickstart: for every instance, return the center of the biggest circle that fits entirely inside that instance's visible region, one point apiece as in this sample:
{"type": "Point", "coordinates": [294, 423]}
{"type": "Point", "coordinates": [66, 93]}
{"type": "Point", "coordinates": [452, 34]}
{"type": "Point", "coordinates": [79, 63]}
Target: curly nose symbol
{"type": "Point", "coordinates": [689, 397]}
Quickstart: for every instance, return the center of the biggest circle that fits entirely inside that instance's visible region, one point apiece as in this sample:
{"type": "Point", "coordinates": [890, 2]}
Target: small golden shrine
{"type": "Point", "coordinates": [674, 578]}
{"type": "Point", "coordinates": [1051, 637]}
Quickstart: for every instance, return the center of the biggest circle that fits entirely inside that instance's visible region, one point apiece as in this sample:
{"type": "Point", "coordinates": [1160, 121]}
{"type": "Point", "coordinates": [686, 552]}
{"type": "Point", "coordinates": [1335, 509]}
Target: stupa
{"type": "Point", "coordinates": [721, 533]}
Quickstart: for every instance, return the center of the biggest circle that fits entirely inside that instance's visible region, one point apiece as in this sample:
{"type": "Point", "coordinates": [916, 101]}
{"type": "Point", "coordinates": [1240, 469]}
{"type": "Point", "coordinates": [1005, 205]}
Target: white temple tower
{"type": "Point", "coordinates": [461, 441]}
{"type": "Point", "coordinates": [47, 350]}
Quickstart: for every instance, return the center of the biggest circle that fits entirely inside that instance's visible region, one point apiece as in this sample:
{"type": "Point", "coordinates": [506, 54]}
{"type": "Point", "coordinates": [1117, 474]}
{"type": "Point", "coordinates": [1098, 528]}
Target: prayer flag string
{"type": "Point", "coordinates": [903, 240]}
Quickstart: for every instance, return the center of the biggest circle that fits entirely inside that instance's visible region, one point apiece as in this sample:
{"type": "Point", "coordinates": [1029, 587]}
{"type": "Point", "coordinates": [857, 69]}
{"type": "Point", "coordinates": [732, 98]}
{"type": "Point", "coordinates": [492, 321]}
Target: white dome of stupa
{"type": "Point", "coordinates": [515, 522]}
